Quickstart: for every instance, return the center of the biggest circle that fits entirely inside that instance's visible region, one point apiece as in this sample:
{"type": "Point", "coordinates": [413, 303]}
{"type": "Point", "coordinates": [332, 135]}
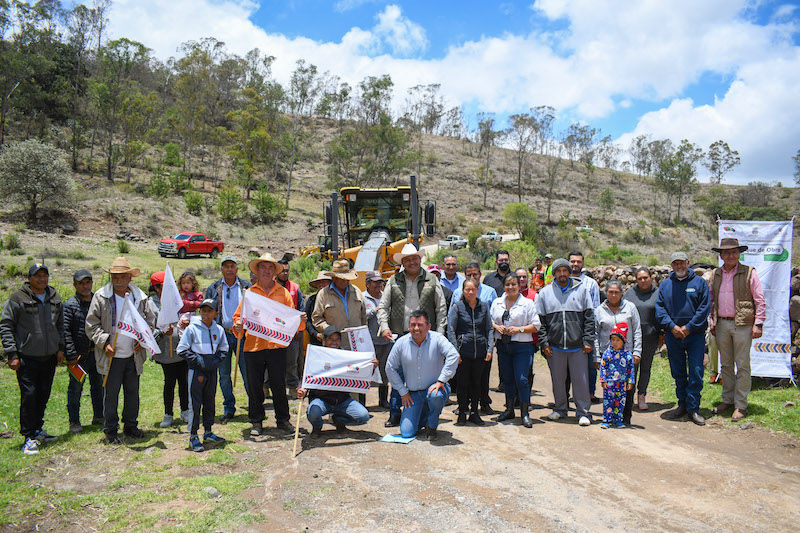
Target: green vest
{"type": "Point", "coordinates": [426, 288]}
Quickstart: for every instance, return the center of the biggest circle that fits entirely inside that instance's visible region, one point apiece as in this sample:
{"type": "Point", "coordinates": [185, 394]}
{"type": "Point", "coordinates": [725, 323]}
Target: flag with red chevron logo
{"type": "Point", "coordinates": [269, 319]}
{"type": "Point", "coordinates": [339, 370]}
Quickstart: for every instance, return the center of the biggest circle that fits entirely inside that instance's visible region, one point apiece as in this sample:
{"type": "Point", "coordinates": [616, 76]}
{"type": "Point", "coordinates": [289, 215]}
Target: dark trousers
{"type": "Point", "coordinates": [629, 394]}
{"type": "Point", "coordinates": [274, 362]}
{"type": "Point", "coordinates": [75, 389]}
{"type": "Point", "coordinates": [35, 378]}
{"type": "Point", "coordinates": [487, 370]}
{"type": "Point", "coordinates": [225, 379]}
{"type": "Point", "coordinates": [121, 376]}
{"type": "Point", "coordinates": [469, 383]}
{"type": "Point", "coordinates": [203, 388]}
{"type": "Point", "coordinates": [176, 373]}
{"type": "Point", "coordinates": [686, 364]}
{"type": "Point", "coordinates": [514, 360]}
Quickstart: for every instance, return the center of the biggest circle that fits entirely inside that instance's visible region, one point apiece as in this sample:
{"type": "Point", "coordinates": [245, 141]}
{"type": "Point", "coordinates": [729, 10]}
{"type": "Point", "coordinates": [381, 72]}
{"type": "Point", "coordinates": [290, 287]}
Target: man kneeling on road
{"type": "Point", "coordinates": [427, 361]}
{"type": "Point", "coordinates": [346, 411]}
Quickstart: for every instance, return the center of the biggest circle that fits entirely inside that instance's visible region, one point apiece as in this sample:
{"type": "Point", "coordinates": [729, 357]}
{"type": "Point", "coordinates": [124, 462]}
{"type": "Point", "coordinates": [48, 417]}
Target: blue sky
{"type": "Point", "coordinates": [709, 70]}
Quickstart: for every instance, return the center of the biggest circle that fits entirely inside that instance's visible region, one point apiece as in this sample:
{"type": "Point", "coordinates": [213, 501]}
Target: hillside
{"type": "Point", "coordinates": [103, 209]}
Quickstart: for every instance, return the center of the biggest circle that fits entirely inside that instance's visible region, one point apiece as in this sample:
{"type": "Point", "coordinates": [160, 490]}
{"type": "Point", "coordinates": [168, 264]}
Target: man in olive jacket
{"type": "Point", "coordinates": [32, 330]}
{"type": "Point", "coordinates": [122, 361]}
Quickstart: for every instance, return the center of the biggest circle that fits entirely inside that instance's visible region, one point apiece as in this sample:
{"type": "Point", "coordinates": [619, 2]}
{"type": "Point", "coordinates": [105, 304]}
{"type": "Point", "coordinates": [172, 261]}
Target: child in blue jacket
{"type": "Point", "coordinates": [616, 376]}
{"type": "Point", "coordinates": [204, 345]}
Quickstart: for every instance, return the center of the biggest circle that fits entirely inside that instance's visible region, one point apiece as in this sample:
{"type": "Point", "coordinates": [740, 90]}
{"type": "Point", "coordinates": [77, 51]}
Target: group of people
{"type": "Point", "coordinates": [434, 330]}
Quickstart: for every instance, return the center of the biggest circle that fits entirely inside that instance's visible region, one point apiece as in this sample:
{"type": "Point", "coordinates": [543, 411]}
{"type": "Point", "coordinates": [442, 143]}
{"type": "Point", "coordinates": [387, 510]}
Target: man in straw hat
{"type": "Point", "coordinates": [122, 361]}
{"type": "Point", "coordinates": [320, 282]}
{"type": "Point", "coordinates": [407, 291]}
{"type": "Point", "coordinates": [32, 330]}
{"type": "Point", "coordinates": [738, 311]}
{"type": "Point", "coordinates": [228, 292]}
{"type": "Point", "coordinates": [341, 303]}
{"type": "Point", "coordinates": [261, 355]}
{"type": "Point", "coordinates": [682, 310]}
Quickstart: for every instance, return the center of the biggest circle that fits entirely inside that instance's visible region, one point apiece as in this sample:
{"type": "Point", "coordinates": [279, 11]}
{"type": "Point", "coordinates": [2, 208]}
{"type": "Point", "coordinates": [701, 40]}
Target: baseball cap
{"type": "Point", "coordinates": [548, 256]}
{"type": "Point", "coordinates": [330, 330]}
{"type": "Point", "coordinates": [374, 275]}
{"type": "Point", "coordinates": [679, 256]}
{"type": "Point", "coordinates": [36, 267]}
{"type": "Point", "coordinates": [209, 302]}
{"type": "Point", "coordinates": [229, 258]}
{"type": "Point", "coordinates": [81, 275]}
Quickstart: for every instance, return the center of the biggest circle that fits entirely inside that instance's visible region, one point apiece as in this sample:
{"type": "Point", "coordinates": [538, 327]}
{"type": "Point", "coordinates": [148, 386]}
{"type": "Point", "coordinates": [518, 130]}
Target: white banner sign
{"type": "Point", "coordinates": [339, 370]}
{"type": "Point", "coordinates": [269, 319]}
{"type": "Point", "coordinates": [360, 340]}
{"type": "Point", "coordinates": [171, 301]}
{"type": "Point", "coordinates": [770, 253]}
{"type": "Point", "coordinates": [131, 324]}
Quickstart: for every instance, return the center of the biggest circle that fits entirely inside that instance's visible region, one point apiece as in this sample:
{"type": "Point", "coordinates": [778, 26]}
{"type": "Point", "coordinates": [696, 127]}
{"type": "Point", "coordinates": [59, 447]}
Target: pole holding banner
{"type": "Point", "coordinates": [110, 358]}
{"type": "Point", "coordinates": [297, 427]}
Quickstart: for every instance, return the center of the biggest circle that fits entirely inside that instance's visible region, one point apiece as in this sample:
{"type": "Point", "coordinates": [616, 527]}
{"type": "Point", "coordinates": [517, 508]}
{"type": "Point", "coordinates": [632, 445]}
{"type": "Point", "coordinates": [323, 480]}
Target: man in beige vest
{"type": "Point", "coordinates": [738, 311]}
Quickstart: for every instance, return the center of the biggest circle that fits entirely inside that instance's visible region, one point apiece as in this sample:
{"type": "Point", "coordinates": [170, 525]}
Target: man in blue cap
{"type": "Point", "coordinates": [32, 330]}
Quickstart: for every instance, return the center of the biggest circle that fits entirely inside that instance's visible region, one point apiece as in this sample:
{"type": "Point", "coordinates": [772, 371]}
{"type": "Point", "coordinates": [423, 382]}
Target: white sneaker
{"type": "Point", "coordinates": [30, 447]}
{"type": "Point", "coordinates": [185, 415]}
{"type": "Point", "coordinates": [584, 421]}
{"type": "Point", "coordinates": [554, 416]}
{"type": "Point", "coordinates": [167, 422]}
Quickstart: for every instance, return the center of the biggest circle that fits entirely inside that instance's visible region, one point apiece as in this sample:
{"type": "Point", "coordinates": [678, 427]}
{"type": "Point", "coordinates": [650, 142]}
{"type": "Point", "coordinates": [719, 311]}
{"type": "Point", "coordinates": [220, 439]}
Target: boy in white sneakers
{"type": "Point", "coordinates": [204, 345]}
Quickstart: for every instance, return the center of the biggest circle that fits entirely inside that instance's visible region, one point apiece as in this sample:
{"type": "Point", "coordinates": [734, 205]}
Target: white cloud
{"type": "Point", "coordinates": [346, 5]}
{"type": "Point", "coordinates": [604, 56]}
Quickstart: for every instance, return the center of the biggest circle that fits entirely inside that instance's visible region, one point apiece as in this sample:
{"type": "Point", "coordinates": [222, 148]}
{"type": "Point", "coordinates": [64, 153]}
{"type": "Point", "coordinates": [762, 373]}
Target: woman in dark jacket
{"type": "Point", "coordinates": [469, 328]}
{"type": "Point", "coordinates": [643, 295]}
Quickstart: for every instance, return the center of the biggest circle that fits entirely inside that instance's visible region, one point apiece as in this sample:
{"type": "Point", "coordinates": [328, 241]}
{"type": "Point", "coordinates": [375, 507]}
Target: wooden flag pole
{"type": "Point", "coordinates": [237, 354]}
{"type": "Point", "coordinates": [297, 427]}
{"type": "Point", "coordinates": [170, 346]}
{"type": "Point", "coordinates": [110, 359]}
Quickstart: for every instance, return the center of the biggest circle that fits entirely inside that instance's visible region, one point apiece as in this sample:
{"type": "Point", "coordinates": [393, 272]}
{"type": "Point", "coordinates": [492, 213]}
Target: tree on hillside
{"type": "Point", "coordinates": [485, 177]}
{"type": "Point", "coordinates": [543, 117]}
{"type": "Point", "coordinates": [654, 153]}
{"type": "Point", "coordinates": [522, 134]}
{"type": "Point", "coordinates": [638, 150]}
{"type": "Point", "coordinates": [37, 175]}
{"type": "Point", "coordinates": [552, 164]}
{"type": "Point", "coordinates": [606, 202]}
{"type": "Point", "coordinates": [720, 160]}
{"type": "Point", "coordinates": [522, 218]}
{"type": "Point", "coordinates": [302, 96]}
{"type": "Point", "coordinates": [796, 159]}
{"type": "Point", "coordinates": [586, 142]}
{"type": "Point", "coordinates": [676, 174]}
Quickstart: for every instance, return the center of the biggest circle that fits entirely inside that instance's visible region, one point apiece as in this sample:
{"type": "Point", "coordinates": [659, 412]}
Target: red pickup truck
{"type": "Point", "coordinates": [184, 244]}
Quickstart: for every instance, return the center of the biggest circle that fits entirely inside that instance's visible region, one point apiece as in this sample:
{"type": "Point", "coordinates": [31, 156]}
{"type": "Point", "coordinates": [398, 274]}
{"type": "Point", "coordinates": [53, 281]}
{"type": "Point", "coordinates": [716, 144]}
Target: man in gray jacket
{"type": "Point", "coordinates": [32, 329]}
{"type": "Point", "coordinates": [567, 338]}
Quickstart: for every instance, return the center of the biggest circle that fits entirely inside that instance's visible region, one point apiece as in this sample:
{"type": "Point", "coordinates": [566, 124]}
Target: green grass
{"type": "Point", "coordinates": [120, 488]}
{"type": "Point", "coordinates": [766, 405]}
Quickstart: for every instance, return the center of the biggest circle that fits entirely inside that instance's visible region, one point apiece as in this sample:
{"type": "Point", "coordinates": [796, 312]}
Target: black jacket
{"type": "Point", "coordinates": [75, 338]}
{"type": "Point", "coordinates": [469, 329]}
{"type": "Point", "coordinates": [31, 327]}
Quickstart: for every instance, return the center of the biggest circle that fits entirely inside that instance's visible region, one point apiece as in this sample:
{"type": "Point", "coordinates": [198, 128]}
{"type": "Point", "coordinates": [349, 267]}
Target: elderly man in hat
{"type": "Point", "coordinates": [341, 303]}
{"type": "Point", "coordinates": [228, 291]}
{"type": "Point", "coordinates": [32, 330]}
{"type": "Point", "coordinates": [261, 355]}
{"type": "Point", "coordinates": [80, 351]}
{"type": "Point", "coordinates": [320, 282]}
{"type": "Point", "coordinates": [409, 290]}
{"type": "Point", "coordinates": [118, 356]}
{"type": "Point", "coordinates": [682, 310]}
{"type": "Point", "coordinates": [738, 311]}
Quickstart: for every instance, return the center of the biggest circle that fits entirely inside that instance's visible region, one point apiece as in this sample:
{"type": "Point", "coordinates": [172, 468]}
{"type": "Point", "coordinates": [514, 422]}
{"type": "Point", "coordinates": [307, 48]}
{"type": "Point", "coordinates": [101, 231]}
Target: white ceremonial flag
{"type": "Point", "coordinates": [360, 340]}
{"type": "Point", "coordinates": [131, 324]}
{"type": "Point", "coordinates": [171, 301]}
{"type": "Point", "coordinates": [338, 370]}
{"type": "Point", "coordinates": [770, 253]}
{"type": "Point", "coordinates": [269, 319]}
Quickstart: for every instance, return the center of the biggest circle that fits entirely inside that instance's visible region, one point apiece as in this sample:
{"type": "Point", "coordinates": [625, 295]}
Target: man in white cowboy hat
{"type": "Point", "coordinates": [341, 303]}
{"type": "Point", "coordinates": [738, 311]}
{"type": "Point", "coordinates": [320, 282]}
{"type": "Point", "coordinates": [261, 355]}
{"type": "Point", "coordinates": [123, 361]}
{"type": "Point", "coordinates": [228, 292]}
{"type": "Point", "coordinates": [409, 290]}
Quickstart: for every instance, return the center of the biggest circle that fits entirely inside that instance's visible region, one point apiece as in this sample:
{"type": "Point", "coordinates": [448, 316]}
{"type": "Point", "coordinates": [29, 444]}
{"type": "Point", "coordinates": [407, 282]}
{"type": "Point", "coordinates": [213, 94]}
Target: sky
{"type": "Point", "coordinates": [703, 71]}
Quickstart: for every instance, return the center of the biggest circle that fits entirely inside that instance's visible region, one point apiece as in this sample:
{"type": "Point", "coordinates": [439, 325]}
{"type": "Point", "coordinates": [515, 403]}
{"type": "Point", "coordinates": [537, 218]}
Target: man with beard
{"type": "Point", "coordinates": [497, 278]}
{"type": "Point", "coordinates": [682, 309]}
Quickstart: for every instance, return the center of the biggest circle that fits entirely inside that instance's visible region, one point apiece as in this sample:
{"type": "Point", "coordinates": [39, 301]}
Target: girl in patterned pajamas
{"type": "Point", "coordinates": [616, 376]}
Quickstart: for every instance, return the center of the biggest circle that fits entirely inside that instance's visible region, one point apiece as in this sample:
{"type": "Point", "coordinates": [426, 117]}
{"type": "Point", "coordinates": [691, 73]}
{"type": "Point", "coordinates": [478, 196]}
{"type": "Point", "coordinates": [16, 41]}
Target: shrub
{"type": "Point", "coordinates": [474, 234]}
{"type": "Point", "coordinates": [17, 251]}
{"type": "Point", "coordinates": [656, 231]}
{"type": "Point", "coordinates": [269, 207]}
{"type": "Point", "coordinates": [178, 181]}
{"type": "Point", "coordinates": [172, 155]}
{"type": "Point", "coordinates": [194, 202]}
{"type": "Point", "coordinates": [159, 186]}
{"type": "Point", "coordinates": [229, 204]}
{"type": "Point", "coordinates": [123, 247]}
{"type": "Point", "coordinates": [634, 236]}
{"type": "Point", "coordinates": [11, 241]}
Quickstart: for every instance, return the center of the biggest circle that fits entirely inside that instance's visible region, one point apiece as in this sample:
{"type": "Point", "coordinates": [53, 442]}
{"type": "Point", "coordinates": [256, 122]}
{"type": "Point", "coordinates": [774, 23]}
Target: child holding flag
{"type": "Point", "coordinates": [204, 345]}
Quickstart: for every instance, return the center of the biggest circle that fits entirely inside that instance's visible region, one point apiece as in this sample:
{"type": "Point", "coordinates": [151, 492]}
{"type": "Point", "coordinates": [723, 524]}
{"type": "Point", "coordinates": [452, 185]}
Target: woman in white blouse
{"type": "Point", "coordinates": [515, 320]}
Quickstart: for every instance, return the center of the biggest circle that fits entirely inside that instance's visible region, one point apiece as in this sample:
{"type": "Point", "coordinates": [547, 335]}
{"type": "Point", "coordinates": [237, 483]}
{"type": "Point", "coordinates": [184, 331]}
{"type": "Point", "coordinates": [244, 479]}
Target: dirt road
{"type": "Point", "coordinates": [656, 476]}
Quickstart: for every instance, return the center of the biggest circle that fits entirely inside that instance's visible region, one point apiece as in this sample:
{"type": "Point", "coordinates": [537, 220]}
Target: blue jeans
{"type": "Point", "coordinates": [686, 364]}
{"type": "Point", "coordinates": [515, 359]}
{"type": "Point", "coordinates": [75, 389]}
{"type": "Point", "coordinates": [225, 380]}
{"type": "Point", "coordinates": [349, 412]}
{"type": "Point", "coordinates": [424, 412]}
{"type": "Point", "coordinates": [395, 403]}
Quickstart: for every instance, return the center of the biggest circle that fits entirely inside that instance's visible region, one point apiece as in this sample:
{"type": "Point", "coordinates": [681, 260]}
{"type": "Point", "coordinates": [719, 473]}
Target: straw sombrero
{"type": "Point", "coordinates": [267, 257]}
{"type": "Point", "coordinates": [121, 266]}
{"type": "Point", "coordinates": [341, 269]}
